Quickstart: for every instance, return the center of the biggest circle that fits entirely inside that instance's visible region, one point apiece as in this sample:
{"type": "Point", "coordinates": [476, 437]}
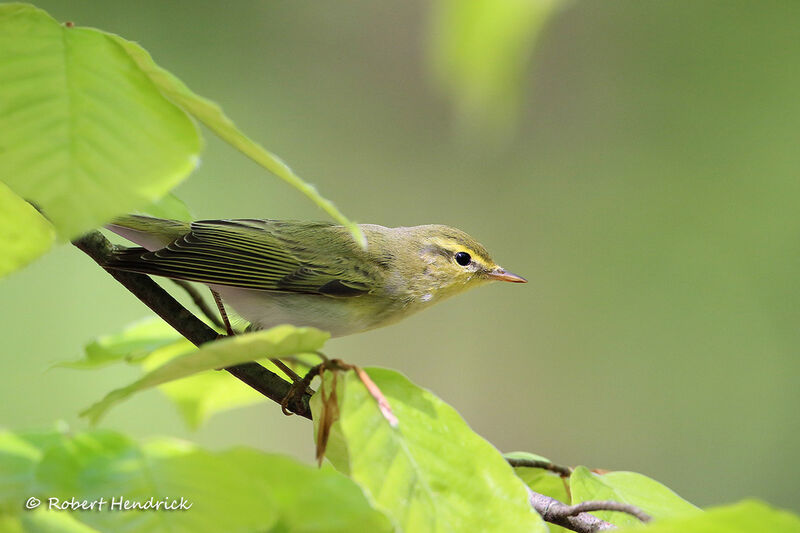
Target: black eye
{"type": "Point", "coordinates": [463, 258]}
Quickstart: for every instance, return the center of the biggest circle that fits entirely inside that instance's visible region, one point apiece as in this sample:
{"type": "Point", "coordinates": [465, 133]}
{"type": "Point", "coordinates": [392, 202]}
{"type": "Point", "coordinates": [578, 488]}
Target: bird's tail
{"type": "Point", "coordinates": [148, 232]}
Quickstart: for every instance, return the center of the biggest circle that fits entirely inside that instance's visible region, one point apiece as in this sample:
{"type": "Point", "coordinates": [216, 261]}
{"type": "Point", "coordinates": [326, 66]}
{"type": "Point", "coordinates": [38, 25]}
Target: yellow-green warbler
{"type": "Point", "coordinates": [310, 273]}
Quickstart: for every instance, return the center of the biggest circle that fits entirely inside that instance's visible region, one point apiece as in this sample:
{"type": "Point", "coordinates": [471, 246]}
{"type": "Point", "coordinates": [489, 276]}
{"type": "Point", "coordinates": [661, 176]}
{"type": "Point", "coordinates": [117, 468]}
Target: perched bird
{"type": "Point", "coordinates": [311, 273]}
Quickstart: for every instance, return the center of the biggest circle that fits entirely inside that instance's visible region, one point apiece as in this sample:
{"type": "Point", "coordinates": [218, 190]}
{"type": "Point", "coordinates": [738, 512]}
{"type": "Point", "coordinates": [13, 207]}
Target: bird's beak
{"type": "Point", "coordinates": [500, 274]}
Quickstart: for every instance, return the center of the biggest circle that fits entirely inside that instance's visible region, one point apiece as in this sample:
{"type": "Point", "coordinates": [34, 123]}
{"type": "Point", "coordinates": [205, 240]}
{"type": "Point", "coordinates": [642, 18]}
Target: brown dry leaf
{"type": "Point", "coordinates": [329, 411]}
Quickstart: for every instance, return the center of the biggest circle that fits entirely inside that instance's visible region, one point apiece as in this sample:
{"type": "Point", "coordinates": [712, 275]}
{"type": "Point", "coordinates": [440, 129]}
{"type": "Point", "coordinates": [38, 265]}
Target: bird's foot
{"type": "Point", "coordinates": [292, 401]}
{"type": "Point", "coordinates": [299, 386]}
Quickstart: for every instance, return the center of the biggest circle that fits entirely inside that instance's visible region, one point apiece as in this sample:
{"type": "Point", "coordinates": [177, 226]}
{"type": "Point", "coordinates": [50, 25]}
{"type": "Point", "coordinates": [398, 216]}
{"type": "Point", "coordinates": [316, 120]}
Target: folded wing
{"type": "Point", "coordinates": [310, 258]}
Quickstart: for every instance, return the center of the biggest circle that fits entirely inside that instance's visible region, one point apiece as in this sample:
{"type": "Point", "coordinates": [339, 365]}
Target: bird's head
{"type": "Point", "coordinates": [450, 261]}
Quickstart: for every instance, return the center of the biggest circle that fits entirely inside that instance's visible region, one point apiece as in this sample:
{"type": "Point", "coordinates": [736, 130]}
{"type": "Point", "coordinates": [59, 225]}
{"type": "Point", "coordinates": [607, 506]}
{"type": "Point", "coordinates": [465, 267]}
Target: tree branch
{"type": "Point", "coordinates": [193, 329]}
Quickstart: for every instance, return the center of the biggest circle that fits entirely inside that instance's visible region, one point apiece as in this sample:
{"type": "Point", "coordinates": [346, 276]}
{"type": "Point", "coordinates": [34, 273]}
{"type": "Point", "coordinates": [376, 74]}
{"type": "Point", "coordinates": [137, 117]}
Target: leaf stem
{"type": "Point", "coordinates": [563, 471]}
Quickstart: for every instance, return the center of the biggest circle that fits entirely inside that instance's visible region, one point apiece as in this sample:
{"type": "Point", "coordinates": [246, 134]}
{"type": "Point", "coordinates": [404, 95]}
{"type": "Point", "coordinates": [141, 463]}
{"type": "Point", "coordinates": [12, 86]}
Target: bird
{"type": "Point", "coordinates": [316, 274]}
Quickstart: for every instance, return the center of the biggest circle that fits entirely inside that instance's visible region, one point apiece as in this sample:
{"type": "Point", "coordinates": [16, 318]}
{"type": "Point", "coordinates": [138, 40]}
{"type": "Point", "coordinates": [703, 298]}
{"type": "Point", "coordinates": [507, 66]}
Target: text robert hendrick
{"type": "Point", "coordinates": [115, 504]}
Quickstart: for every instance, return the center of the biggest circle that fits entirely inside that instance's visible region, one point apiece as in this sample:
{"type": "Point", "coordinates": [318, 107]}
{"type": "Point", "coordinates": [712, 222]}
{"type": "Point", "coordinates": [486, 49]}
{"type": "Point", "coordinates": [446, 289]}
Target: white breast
{"type": "Point", "coordinates": [266, 309]}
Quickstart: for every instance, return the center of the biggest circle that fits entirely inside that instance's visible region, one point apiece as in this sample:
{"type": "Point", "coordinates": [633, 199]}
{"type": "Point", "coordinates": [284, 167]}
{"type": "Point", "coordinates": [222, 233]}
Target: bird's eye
{"type": "Point", "coordinates": [463, 258]}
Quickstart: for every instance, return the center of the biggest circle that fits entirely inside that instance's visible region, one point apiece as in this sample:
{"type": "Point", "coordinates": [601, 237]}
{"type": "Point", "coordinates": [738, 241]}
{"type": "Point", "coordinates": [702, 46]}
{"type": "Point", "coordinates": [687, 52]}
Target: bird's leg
{"type": "Point", "coordinates": [299, 386]}
{"type": "Point", "coordinates": [291, 374]}
{"type": "Point", "coordinates": [199, 302]}
{"type": "Point", "coordinates": [222, 312]}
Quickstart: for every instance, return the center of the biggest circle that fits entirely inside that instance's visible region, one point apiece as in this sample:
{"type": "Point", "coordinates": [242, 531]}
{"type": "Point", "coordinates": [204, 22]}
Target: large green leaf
{"type": "Point", "coordinates": [628, 487]}
{"type": "Point", "coordinates": [151, 343]}
{"type": "Point", "coordinates": [280, 341]}
{"type": "Point", "coordinates": [43, 520]}
{"type": "Point", "coordinates": [131, 345]}
{"type": "Point", "coordinates": [234, 491]}
{"type": "Point", "coordinates": [431, 472]}
{"type": "Point", "coordinates": [215, 119]}
{"type": "Point", "coordinates": [200, 396]}
{"type": "Point", "coordinates": [24, 233]}
{"type": "Point", "coordinates": [85, 133]}
{"type": "Point", "coordinates": [743, 517]}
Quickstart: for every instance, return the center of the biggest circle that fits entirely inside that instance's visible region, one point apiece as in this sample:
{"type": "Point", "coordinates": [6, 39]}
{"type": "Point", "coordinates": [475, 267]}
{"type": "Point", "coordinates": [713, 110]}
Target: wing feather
{"type": "Point", "coordinates": [258, 254]}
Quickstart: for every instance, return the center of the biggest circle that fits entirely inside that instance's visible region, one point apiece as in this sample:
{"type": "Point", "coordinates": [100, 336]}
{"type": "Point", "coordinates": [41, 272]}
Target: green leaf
{"type": "Point", "coordinates": [526, 455]}
{"type": "Point", "coordinates": [628, 487]}
{"type": "Point", "coordinates": [308, 498]}
{"type": "Point", "coordinates": [169, 206]}
{"type": "Point", "coordinates": [431, 473]}
{"type": "Point", "coordinates": [45, 521]}
{"type": "Point", "coordinates": [744, 517]}
{"type": "Point", "coordinates": [131, 345]}
{"type": "Point", "coordinates": [86, 135]}
{"type": "Point", "coordinates": [201, 396]}
{"type": "Point", "coordinates": [210, 114]}
{"type": "Point", "coordinates": [151, 343]}
{"type": "Point", "coordinates": [20, 454]}
{"type": "Point", "coordinates": [280, 341]}
{"type": "Point", "coordinates": [479, 51]}
{"type": "Point", "coordinates": [24, 233]}
{"type": "Point", "coordinates": [238, 490]}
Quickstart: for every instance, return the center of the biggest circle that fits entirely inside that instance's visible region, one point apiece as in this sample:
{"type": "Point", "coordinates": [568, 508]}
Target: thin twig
{"type": "Point", "coordinates": [563, 471]}
{"type": "Point", "coordinates": [192, 328]}
{"type": "Point", "coordinates": [200, 302]}
{"type": "Point", "coordinates": [585, 507]}
{"type": "Point", "coordinates": [554, 511]}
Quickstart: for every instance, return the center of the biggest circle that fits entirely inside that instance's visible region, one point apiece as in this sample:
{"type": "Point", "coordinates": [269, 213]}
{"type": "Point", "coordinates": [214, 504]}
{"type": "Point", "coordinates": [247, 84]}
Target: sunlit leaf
{"type": "Point", "coordinates": [238, 490]}
{"type": "Point", "coordinates": [277, 342]}
{"type": "Point", "coordinates": [200, 396]}
{"type": "Point", "coordinates": [24, 233]}
{"type": "Point", "coordinates": [43, 520]}
{"type": "Point", "coordinates": [210, 114]}
{"type": "Point", "coordinates": [743, 517]}
{"type": "Point", "coordinates": [20, 453]}
{"type": "Point", "coordinates": [85, 134]}
{"type": "Point", "coordinates": [431, 473]}
{"type": "Point", "coordinates": [133, 343]}
{"type": "Point", "coordinates": [151, 343]}
{"type": "Point", "coordinates": [628, 487]}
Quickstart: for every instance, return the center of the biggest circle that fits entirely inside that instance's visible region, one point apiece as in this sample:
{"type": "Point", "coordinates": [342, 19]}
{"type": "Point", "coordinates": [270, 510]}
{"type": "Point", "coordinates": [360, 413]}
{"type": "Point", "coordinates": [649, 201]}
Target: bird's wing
{"type": "Point", "coordinates": [310, 258]}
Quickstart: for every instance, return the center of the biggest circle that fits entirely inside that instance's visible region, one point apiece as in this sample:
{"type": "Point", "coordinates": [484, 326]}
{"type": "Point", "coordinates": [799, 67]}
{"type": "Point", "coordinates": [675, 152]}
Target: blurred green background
{"type": "Point", "coordinates": [647, 187]}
